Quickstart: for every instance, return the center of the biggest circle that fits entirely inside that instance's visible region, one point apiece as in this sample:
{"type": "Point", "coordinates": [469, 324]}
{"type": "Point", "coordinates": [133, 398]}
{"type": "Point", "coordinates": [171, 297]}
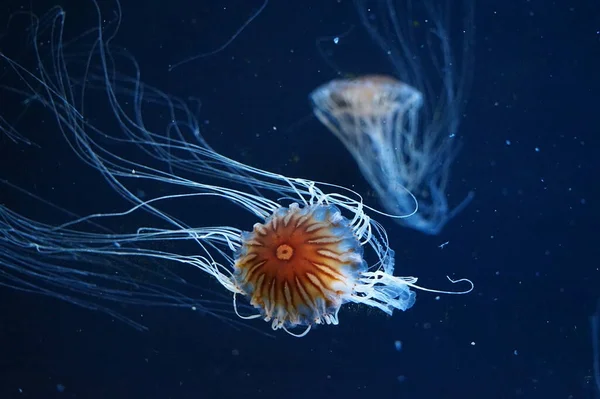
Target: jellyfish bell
{"type": "Point", "coordinates": [369, 95]}
{"type": "Point", "coordinates": [300, 265]}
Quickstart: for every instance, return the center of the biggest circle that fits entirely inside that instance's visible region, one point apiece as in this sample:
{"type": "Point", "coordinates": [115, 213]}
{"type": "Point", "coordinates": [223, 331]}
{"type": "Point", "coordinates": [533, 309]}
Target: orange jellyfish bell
{"type": "Point", "coordinates": [300, 266]}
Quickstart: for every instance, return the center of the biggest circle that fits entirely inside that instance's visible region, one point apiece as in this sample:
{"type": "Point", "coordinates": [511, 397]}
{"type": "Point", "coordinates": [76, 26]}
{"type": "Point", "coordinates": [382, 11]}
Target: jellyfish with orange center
{"type": "Point", "coordinates": [402, 131]}
{"type": "Point", "coordinates": [300, 266]}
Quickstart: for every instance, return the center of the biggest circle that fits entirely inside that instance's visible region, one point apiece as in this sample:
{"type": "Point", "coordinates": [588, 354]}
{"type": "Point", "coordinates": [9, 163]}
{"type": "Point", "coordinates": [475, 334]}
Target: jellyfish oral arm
{"type": "Point", "coordinates": [387, 292]}
{"type": "Point", "coordinates": [384, 291]}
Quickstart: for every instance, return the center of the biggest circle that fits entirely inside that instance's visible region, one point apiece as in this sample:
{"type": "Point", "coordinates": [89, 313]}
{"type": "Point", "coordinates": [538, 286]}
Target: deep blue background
{"type": "Point", "coordinates": [528, 240]}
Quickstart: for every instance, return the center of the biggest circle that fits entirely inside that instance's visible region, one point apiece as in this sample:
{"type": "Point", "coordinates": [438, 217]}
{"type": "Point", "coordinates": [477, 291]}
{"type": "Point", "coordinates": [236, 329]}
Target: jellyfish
{"type": "Point", "coordinates": [402, 131]}
{"type": "Point", "coordinates": [313, 247]}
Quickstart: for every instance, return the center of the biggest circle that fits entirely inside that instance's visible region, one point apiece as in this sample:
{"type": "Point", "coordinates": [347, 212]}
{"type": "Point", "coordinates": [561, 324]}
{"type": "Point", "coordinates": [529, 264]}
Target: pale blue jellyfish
{"type": "Point", "coordinates": [402, 131]}
{"type": "Point", "coordinates": [313, 247]}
